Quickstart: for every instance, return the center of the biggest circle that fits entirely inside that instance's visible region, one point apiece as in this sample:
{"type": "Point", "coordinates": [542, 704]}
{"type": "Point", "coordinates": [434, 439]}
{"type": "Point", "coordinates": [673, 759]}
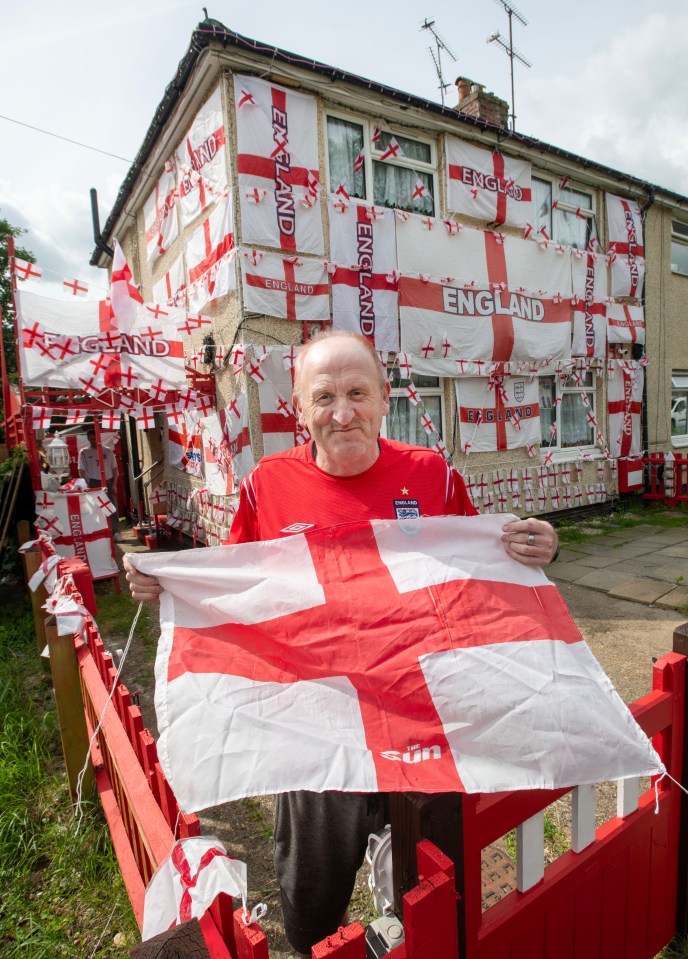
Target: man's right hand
{"type": "Point", "coordinates": [145, 589]}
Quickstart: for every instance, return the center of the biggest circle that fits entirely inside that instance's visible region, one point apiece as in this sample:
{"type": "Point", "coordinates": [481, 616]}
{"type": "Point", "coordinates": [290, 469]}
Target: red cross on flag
{"type": "Point", "coordinates": [364, 285]}
{"type": "Point", "coordinates": [216, 466]}
{"type": "Point", "coordinates": [184, 443]}
{"type": "Point", "coordinates": [625, 324]}
{"type": "Point", "coordinates": [627, 275]}
{"type": "Point", "coordinates": [201, 161]}
{"type": "Point", "coordinates": [625, 225]}
{"type": "Point", "coordinates": [488, 185]}
{"type": "Point", "coordinates": [277, 146]}
{"type": "Point", "coordinates": [82, 529]}
{"type": "Point", "coordinates": [160, 215]}
{"type": "Point", "coordinates": [277, 418]}
{"type": "Point", "coordinates": [589, 281]}
{"type": "Point", "coordinates": [624, 406]}
{"type": "Point", "coordinates": [75, 287]}
{"type": "Point", "coordinates": [271, 676]}
{"type": "Point", "coordinates": [124, 294]}
{"type": "Point", "coordinates": [508, 300]}
{"type": "Point", "coordinates": [170, 290]}
{"type": "Point", "coordinates": [23, 270]}
{"type": "Point", "coordinates": [505, 417]}
{"type": "Point", "coordinates": [210, 256]}
{"type": "Point", "coordinates": [286, 287]}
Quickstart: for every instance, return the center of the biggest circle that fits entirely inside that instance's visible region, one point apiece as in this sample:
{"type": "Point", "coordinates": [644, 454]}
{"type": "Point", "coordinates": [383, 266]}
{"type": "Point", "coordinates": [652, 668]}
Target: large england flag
{"type": "Point", "coordinates": [386, 655]}
{"type": "Point", "coordinates": [498, 414]}
{"type": "Point", "coordinates": [235, 417]}
{"type": "Point", "coordinates": [210, 256]}
{"type": "Point", "coordinates": [277, 157]}
{"type": "Point", "coordinates": [160, 215]}
{"type": "Point", "coordinates": [275, 388]}
{"type": "Point", "coordinates": [626, 324]}
{"type": "Point", "coordinates": [365, 279]}
{"type": "Point", "coordinates": [589, 281]}
{"type": "Point", "coordinates": [170, 289]}
{"type": "Point", "coordinates": [627, 274]}
{"type": "Point", "coordinates": [217, 468]}
{"type": "Point", "coordinates": [78, 525]}
{"type": "Point", "coordinates": [201, 160]}
{"type": "Point", "coordinates": [624, 406]}
{"type": "Point", "coordinates": [488, 185]}
{"type": "Point", "coordinates": [76, 344]}
{"type": "Point", "coordinates": [285, 286]}
{"type": "Point", "coordinates": [625, 223]}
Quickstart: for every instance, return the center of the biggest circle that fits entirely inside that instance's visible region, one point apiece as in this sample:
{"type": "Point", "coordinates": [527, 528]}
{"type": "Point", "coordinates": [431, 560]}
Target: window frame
{"type": "Point", "coordinates": [371, 154]}
{"type": "Point", "coordinates": [679, 237]}
{"type": "Point", "coordinates": [564, 207]}
{"type": "Point", "coordinates": [399, 392]}
{"type": "Point", "coordinates": [568, 453]}
{"type": "Point", "coordinates": [679, 439]}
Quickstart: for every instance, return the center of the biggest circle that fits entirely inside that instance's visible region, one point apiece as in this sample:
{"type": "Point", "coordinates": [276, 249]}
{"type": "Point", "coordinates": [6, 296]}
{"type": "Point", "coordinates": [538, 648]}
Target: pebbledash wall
{"type": "Point", "coordinates": [569, 206]}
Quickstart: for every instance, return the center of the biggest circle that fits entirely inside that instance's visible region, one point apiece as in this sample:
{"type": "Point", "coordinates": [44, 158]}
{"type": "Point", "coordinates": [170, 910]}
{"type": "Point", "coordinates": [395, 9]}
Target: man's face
{"type": "Point", "coordinates": [342, 404]}
{"type": "Point", "coordinates": [91, 437]}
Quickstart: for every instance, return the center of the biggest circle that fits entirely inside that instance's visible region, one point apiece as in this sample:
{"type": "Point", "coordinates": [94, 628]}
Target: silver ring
{"type": "Point", "coordinates": [531, 539]}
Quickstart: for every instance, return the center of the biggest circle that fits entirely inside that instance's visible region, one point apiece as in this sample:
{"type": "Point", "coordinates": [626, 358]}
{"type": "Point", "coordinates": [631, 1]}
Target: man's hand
{"type": "Point", "coordinates": [532, 542]}
{"type": "Point", "coordinates": [145, 589]}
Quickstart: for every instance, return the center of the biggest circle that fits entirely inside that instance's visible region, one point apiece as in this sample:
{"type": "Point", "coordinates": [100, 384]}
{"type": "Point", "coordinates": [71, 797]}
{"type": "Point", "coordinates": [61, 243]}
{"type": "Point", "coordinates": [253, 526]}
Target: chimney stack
{"type": "Point", "coordinates": [474, 102]}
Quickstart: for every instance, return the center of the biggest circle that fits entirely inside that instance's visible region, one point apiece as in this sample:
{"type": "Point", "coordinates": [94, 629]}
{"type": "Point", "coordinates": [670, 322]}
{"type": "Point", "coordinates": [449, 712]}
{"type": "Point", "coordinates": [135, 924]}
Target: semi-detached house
{"type": "Point", "coordinates": [529, 304]}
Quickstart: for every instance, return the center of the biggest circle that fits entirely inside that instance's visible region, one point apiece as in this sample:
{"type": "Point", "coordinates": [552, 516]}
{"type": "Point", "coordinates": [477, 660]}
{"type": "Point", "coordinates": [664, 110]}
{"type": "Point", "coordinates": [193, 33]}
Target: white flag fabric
{"type": "Point", "coordinates": [160, 215]}
{"type": "Point", "coordinates": [625, 224]}
{"type": "Point", "coordinates": [185, 885]}
{"type": "Point", "coordinates": [124, 294]}
{"type": "Point", "coordinates": [201, 161]}
{"type": "Point", "coordinates": [624, 406]}
{"type": "Point", "coordinates": [488, 185]}
{"type": "Point", "coordinates": [589, 281]}
{"type": "Point", "coordinates": [210, 256]}
{"type": "Point", "coordinates": [498, 414]}
{"type": "Point", "coordinates": [78, 525]}
{"type": "Point", "coordinates": [626, 324]}
{"type": "Point", "coordinates": [95, 354]}
{"type": "Point", "coordinates": [236, 428]}
{"type": "Point", "coordinates": [432, 663]}
{"type": "Point", "coordinates": [170, 290]}
{"type": "Point", "coordinates": [364, 283]}
{"type": "Point", "coordinates": [278, 165]}
{"type": "Point", "coordinates": [627, 274]}
{"type": "Point", "coordinates": [277, 418]}
{"type": "Point", "coordinates": [285, 286]}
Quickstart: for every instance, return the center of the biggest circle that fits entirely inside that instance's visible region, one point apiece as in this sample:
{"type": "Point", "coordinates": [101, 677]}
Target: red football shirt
{"type": "Point", "coordinates": [288, 493]}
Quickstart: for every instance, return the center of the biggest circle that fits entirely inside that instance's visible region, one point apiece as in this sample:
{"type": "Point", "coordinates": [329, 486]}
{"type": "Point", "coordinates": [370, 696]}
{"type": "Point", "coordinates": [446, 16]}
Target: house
{"type": "Point", "coordinates": [527, 302]}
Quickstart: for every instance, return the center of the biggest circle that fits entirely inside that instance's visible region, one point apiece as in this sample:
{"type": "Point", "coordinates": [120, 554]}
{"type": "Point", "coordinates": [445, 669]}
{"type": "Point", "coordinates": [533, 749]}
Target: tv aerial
{"type": "Point", "coordinates": [511, 51]}
{"type": "Point", "coordinates": [436, 54]}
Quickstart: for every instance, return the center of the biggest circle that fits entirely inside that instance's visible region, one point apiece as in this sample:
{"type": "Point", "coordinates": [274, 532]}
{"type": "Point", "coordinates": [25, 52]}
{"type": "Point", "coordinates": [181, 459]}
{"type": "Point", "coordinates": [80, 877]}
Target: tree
{"type": "Point", "coordinates": [6, 231]}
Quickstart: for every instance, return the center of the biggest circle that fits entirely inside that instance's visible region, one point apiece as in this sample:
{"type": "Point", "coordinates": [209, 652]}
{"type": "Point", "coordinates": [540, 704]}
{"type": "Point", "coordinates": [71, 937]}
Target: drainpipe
{"type": "Point", "coordinates": [97, 235]}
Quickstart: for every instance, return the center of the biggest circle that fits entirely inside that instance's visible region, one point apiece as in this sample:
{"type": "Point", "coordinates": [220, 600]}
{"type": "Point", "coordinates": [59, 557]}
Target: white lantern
{"type": "Point", "coordinates": [58, 455]}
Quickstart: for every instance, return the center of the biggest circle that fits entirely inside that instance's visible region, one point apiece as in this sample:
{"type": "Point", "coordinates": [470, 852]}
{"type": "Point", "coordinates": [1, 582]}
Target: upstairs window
{"type": "Point", "coordinates": [570, 417]}
{"type": "Point", "coordinates": [396, 171]}
{"type": "Point", "coordinates": [404, 421]}
{"type": "Point", "coordinates": [567, 215]}
{"type": "Point", "coordinates": [679, 247]}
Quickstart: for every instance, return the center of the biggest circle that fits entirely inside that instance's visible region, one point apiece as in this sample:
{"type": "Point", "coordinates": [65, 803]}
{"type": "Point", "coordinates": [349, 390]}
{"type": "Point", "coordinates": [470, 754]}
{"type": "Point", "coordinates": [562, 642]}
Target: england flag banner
{"type": "Point", "coordinates": [235, 418]}
{"type": "Point", "coordinates": [624, 406]}
{"type": "Point", "coordinates": [78, 525]}
{"type": "Point", "coordinates": [275, 389]}
{"type": "Point", "coordinates": [488, 185]}
{"type": "Point", "coordinates": [625, 223]}
{"type": "Point", "coordinates": [498, 414]}
{"type": "Point", "coordinates": [160, 215]}
{"type": "Point", "coordinates": [201, 161]}
{"type": "Point", "coordinates": [210, 256]}
{"type": "Point", "coordinates": [170, 289]}
{"type": "Point", "coordinates": [626, 324]}
{"type": "Point", "coordinates": [589, 282]}
{"type": "Point", "coordinates": [277, 159]}
{"type": "Point", "coordinates": [378, 656]}
{"type": "Point", "coordinates": [627, 275]}
{"type": "Point", "coordinates": [95, 355]}
{"type": "Point", "coordinates": [285, 286]}
{"type": "Point", "coordinates": [216, 459]}
{"type": "Point", "coordinates": [185, 447]}
{"type": "Point", "coordinates": [365, 278]}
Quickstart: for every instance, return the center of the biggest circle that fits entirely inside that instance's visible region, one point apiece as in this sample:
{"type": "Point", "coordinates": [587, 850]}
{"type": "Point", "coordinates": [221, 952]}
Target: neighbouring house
{"type": "Point", "coordinates": [528, 303]}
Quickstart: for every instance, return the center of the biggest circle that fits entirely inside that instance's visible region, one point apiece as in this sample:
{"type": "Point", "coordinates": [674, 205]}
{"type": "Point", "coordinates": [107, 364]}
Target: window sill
{"type": "Point", "coordinates": [572, 453]}
{"type": "Point", "coordinates": [679, 441]}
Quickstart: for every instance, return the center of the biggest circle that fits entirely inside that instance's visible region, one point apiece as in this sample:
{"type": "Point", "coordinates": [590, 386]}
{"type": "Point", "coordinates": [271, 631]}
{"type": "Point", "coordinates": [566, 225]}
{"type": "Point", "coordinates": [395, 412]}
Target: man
{"type": "Point", "coordinates": [346, 473]}
{"type": "Point", "coordinates": [89, 470]}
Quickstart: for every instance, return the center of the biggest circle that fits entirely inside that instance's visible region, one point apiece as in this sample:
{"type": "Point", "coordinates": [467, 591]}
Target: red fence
{"type": "Point", "coordinates": [666, 479]}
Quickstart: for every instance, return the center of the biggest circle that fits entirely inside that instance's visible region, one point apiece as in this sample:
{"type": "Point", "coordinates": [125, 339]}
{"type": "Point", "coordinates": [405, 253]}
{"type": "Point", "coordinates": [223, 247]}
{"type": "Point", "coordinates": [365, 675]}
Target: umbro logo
{"type": "Point", "coordinates": [297, 527]}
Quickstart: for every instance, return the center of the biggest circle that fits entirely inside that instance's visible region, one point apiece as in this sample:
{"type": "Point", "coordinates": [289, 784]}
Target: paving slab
{"type": "Point", "coordinates": [631, 550]}
{"type": "Point", "coordinates": [670, 537]}
{"type": "Point", "coordinates": [680, 550]}
{"type": "Point", "coordinates": [595, 561]}
{"type": "Point", "coordinates": [567, 555]}
{"type": "Point", "coordinates": [638, 532]}
{"type": "Point", "coordinates": [640, 590]}
{"type": "Point", "coordinates": [669, 574]}
{"type": "Point", "coordinates": [609, 539]}
{"type": "Point", "coordinates": [567, 572]}
{"type": "Point", "coordinates": [634, 567]}
{"type": "Point", "coordinates": [677, 598]}
{"type": "Point", "coordinates": [603, 580]}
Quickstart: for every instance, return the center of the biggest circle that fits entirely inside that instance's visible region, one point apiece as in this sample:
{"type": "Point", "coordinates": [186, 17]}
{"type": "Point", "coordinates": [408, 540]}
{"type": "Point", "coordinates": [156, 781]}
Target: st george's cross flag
{"type": "Point", "coordinates": [235, 427]}
{"type": "Point", "coordinates": [210, 258]}
{"type": "Point", "coordinates": [499, 414]}
{"type": "Point", "coordinates": [365, 278]}
{"type": "Point", "coordinates": [624, 407]}
{"type": "Point", "coordinates": [589, 282]}
{"type": "Point", "coordinates": [277, 418]}
{"type": "Point", "coordinates": [278, 166]}
{"type": "Point", "coordinates": [170, 289]}
{"type": "Point", "coordinates": [285, 286]}
{"type": "Point", "coordinates": [201, 161]}
{"type": "Point", "coordinates": [78, 525]}
{"type": "Point", "coordinates": [160, 214]}
{"type": "Point", "coordinates": [626, 324]}
{"type": "Point", "coordinates": [487, 185]}
{"type": "Point", "coordinates": [625, 224]}
{"type": "Point", "coordinates": [378, 656]}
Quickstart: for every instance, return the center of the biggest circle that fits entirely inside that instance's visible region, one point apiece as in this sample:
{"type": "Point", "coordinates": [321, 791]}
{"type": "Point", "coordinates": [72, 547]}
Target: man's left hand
{"type": "Point", "coordinates": [531, 541]}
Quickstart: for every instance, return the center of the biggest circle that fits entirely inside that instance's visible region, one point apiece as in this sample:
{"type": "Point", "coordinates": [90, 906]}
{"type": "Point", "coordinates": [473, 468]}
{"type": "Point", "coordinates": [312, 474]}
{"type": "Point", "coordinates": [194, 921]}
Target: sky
{"type": "Point", "coordinates": [608, 81]}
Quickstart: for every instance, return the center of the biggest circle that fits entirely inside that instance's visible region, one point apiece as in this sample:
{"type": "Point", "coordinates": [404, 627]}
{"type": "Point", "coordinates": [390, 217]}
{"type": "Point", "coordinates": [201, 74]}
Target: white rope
{"type": "Point", "coordinates": [78, 811]}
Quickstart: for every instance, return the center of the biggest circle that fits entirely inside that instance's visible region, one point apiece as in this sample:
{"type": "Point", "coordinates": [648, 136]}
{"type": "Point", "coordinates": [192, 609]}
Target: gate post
{"type": "Point", "coordinates": [680, 645]}
{"type": "Point", "coordinates": [439, 818]}
{"type": "Point", "coordinates": [31, 560]}
{"type": "Point", "coordinates": [64, 667]}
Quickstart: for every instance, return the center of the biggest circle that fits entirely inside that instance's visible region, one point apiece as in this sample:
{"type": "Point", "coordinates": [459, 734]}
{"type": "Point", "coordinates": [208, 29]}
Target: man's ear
{"type": "Point", "coordinates": [385, 395]}
{"type": "Point", "coordinates": [298, 412]}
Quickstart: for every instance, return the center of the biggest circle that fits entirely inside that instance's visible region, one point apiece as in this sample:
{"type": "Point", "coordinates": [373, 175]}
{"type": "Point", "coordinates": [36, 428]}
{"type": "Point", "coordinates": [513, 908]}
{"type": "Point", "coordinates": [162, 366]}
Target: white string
{"type": "Point", "coordinates": [658, 781]}
{"type": "Point", "coordinates": [105, 927]}
{"type": "Point", "coordinates": [78, 810]}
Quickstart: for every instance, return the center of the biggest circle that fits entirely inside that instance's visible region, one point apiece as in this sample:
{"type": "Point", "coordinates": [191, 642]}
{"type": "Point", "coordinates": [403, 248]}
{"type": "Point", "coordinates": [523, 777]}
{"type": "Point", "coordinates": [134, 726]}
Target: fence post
{"type": "Point", "coordinates": [680, 645]}
{"type": "Point", "coordinates": [64, 667]}
{"type": "Point", "coordinates": [31, 560]}
{"type": "Point", "coordinates": [439, 818]}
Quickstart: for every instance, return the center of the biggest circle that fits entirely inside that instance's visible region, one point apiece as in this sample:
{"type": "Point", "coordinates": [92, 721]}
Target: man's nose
{"type": "Point", "coordinates": [343, 410]}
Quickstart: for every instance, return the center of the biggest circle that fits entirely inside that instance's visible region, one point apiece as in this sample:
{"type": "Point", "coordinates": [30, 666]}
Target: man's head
{"type": "Point", "coordinates": [341, 396]}
{"type": "Point", "coordinates": [91, 436]}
